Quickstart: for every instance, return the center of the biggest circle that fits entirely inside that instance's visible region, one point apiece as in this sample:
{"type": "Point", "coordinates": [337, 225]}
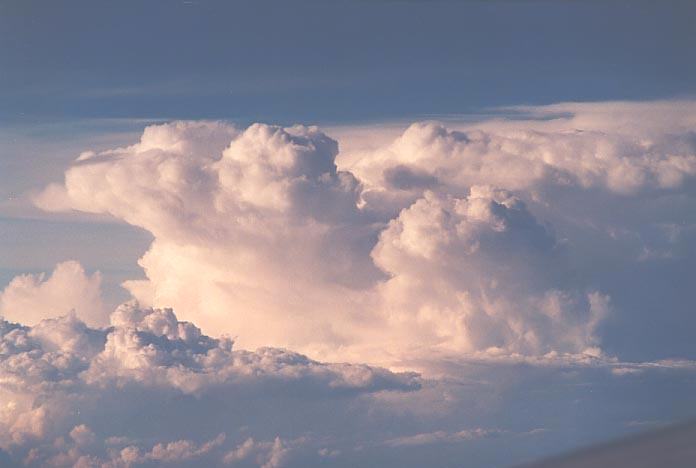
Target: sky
{"type": "Point", "coordinates": [350, 233]}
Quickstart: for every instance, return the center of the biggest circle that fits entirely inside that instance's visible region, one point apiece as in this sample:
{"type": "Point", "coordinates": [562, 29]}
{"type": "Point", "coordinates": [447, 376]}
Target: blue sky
{"type": "Point", "coordinates": [526, 250]}
{"type": "Point", "coordinates": [335, 61]}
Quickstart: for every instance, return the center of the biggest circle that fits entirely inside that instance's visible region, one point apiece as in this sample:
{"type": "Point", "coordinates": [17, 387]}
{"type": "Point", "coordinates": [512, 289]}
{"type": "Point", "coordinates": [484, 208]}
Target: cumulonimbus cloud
{"type": "Point", "coordinates": [471, 240]}
{"type": "Point", "coordinates": [469, 252]}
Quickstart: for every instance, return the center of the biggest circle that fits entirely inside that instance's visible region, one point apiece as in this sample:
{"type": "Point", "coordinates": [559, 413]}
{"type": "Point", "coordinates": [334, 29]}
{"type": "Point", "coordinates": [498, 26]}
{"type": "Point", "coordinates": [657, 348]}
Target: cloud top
{"type": "Point", "coordinates": [69, 289]}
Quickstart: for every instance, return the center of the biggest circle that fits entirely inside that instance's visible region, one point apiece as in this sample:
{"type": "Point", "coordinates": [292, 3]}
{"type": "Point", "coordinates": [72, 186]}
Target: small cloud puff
{"type": "Point", "coordinates": [69, 289]}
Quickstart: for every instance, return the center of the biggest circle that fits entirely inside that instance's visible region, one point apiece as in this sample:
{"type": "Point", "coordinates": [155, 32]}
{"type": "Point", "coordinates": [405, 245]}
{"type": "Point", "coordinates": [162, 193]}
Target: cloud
{"type": "Point", "coordinates": [467, 274]}
{"type": "Point", "coordinates": [507, 237]}
{"type": "Point", "coordinates": [149, 389]}
{"type": "Point", "coordinates": [266, 238]}
{"type": "Point", "coordinates": [230, 207]}
{"type": "Point", "coordinates": [113, 454]}
{"type": "Point", "coordinates": [59, 380]}
{"type": "Point", "coordinates": [29, 299]}
{"type": "Point", "coordinates": [594, 145]}
{"type": "Point", "coordinates": [153, 348]}
{"type": "Point", "coordinates": [521, 265]}
{"type": "Point", "coordinates": [442, 437]}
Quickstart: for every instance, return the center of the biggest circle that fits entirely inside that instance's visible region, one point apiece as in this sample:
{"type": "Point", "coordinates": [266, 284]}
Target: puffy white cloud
{"type": "Point", "coordinates": [29, 299]}
{"type": "Point", "coordinates": [472, 274]}
{"type": "Point", "coordinates": [477, 239]}
{"type": "Point", "coordinates": [59, 380]}
{"type": "Point", "coordinates": [599, 146]}
{"type": "Point", "coordinates": [267, 239]}
{"type": "Point", "coordinates": [250, 226]}
{"type": "Point", "coordinates": [153, 348]}
{"type": "Point", "coordinates": [150, 389]}
{"type": "Point", "coordinates": [266, 454]}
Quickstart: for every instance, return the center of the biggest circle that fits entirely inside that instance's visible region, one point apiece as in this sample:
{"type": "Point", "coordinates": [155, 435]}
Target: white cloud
{"type": "Point", "coordinates": [271, 205]}
{"type": "Point", "coordinates": [486, 254]}
{"type": "Point", "coordinates": [265, 239]}
{"type": "Point", "coordinates": [523, 158]}
{"type": "Point", "coordinates": [471, 239]}
{"type": "Point", "coordinates": [266, 454]}
{"type": "Point", "coordinates": [29, 299]}
{"type": "Point", "coordinates": [442, 437]}
{"type": "Point", "coordinates": [61, 380]}
{"type": "Point", "coordinates": [468, 274]}
{"type": "Point", "coordinates": [150, 389]}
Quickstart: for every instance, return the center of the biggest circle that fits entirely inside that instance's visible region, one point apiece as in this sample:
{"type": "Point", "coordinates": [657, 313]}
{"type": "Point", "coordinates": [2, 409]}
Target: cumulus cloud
{"type": "Point", "coordinates": [112, 453]}
{"type": "Point", "coordinates": [29, 299]}
{"type": "Point", "coordinates": [59, 380]}
{"type": "Point", "coordinates": [599, 146]}
{"type": "Point", "coordinates": [469, 275]}
{"type": "Point", "coordinates": [150, 389]}
{"type": "Point", "coordinates": [468, 239]}
{"type": "Point", "coordinates": [227, 208]}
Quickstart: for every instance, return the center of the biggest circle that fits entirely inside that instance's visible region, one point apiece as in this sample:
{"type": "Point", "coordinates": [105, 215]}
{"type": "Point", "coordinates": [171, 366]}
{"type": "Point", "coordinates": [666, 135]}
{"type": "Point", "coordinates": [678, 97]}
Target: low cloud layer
{"type": "Point", "coordinates": [150, 390]}
{"type": "Point", "coordinates": [58, 379]}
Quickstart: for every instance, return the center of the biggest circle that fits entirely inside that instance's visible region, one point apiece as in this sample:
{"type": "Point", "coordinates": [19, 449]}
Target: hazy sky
{"type": "Point", "coordinates": [314, 61]}
{"type": "Point", "coordinates": [401, 233]}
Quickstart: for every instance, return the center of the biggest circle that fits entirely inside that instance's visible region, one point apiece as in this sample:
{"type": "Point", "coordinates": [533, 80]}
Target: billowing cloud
{"type": "Point", "coordinates": [593, 145]}
{"type": "Point", "coordinates": [228, 208]}
{"type": "Point", "coordinates": [476, 274]}
{"type": "Point", "coordinates": [497, 238]}
{"type": "Point", "coordinates": [29, 299]}
{"type": "Point", "coordinates": [258, 233]}
{"type": "Point", "coordinates": [151, 390]}
{"type": "Point", "coordinates": [60, 379]}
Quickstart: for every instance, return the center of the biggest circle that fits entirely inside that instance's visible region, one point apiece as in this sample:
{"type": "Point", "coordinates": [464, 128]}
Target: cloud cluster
{"type": "Point", "coordinates": [514, 262]}
{"type": "Point", "coordinates": [230, 207]}
{"type": "Point", "coordinates": [60, 378]}
{"type": "Point", "coordinates": [602, 145]}
{"type": "Point", "coordinates": [485, 238]}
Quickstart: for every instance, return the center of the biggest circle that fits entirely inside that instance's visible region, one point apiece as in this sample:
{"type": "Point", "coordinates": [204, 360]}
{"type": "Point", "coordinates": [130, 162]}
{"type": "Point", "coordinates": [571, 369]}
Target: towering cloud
{"type": "Point", "coordinates": [506, 260]}
{"type": "Point", "coordinates": [483, 239]}
{"type": "Point", "coordinates": [253, 238]}
{"type": "Point", "coordinates": [476, 274]}
{"type": "Point", "coordinates": [71, 392]}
